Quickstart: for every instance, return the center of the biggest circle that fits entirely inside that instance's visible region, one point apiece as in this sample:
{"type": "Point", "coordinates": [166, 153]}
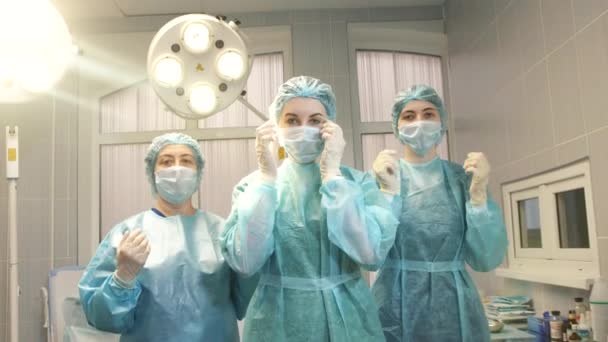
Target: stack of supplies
{"type": "Point", "coordinates": [511, 310]}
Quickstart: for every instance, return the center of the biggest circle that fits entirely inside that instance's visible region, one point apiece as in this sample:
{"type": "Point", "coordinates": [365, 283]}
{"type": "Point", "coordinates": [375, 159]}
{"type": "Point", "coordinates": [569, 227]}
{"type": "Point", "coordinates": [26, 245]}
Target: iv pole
{"type": "Point", "coordinates": [12, 174]}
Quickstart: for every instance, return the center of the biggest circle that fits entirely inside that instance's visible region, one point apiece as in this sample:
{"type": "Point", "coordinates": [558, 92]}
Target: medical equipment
{"type": "Point", "coordinates": [199, 65]}
{"type": "Point", "coordinates": [66, 319]}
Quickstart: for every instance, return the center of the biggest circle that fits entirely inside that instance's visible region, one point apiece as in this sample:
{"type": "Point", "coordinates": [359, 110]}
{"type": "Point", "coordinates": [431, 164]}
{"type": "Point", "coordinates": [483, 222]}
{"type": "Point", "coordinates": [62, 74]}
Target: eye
{"type": "Point", "coordinates": [292, 121]}
{"type": "Point", "coordinates": [408, 117]}
{"type": "Point", "coordinates": [429, 115]}
{"type": "Point", "coordinates": [315, 122]}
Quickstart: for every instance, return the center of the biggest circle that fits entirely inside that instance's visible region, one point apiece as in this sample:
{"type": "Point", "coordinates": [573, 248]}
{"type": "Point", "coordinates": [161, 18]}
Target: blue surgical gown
{"type": "Point", "coordinates": [308, 241]}
{"type": "Point", "coordinates": [423, 291]}
{"type": "Point", "coordinates": [184, 292]}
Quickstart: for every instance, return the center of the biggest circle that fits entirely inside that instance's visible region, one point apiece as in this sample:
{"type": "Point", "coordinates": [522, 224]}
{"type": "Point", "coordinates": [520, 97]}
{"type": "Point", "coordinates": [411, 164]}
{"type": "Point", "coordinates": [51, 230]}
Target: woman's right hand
{"type": "Point", "coordinates": [267, 160]}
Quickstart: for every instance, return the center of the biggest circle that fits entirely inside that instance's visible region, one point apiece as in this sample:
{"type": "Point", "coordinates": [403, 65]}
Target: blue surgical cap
{"type": "Point", "coordinates": [419, 92]}
{"type": "Point", "coordinates": [304, 86]}
{"type": "Point", "coordinates": [172, 139]}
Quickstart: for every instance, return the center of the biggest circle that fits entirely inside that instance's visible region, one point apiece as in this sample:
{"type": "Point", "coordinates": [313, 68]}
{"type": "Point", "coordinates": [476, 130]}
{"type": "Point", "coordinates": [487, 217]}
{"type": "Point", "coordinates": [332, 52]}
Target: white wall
{"type": "Point", "coordinates": [528, 87]}
{"type": "Point", "coordinates": [46, 201]}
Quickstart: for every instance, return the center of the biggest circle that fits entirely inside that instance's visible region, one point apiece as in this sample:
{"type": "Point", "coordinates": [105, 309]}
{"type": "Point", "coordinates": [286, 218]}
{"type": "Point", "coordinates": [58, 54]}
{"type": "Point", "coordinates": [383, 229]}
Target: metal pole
{"type": "Point", "coordinates": [252, 108]}
{"type": "Point", "coordinates": [12, 174]}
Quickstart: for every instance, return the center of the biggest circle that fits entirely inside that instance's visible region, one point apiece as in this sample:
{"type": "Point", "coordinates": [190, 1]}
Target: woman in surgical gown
{"type": "Point", "coordinates": [307, 227]}
{"type": "Point", "coordinates": [160, 275]}
{"type": "Point", "coordinates": [423, 291]}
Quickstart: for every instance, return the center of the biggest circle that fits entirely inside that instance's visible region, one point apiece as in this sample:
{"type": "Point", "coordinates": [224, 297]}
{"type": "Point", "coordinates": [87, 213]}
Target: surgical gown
{"type": "Point", "coordinates": [184, 292]}
{"type": "Point", "coordinates": [308, 241]}
{"type": "Point", "coordinates": [423, 291]}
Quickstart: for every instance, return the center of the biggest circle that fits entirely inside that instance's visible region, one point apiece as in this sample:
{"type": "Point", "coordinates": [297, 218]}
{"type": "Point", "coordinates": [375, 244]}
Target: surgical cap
{"type": "Point", "coordinates": [419, 92]}
{"type": "Point", "coordinates": [172, 139]}
{"type": "Point", "coordinates": [304, 86]}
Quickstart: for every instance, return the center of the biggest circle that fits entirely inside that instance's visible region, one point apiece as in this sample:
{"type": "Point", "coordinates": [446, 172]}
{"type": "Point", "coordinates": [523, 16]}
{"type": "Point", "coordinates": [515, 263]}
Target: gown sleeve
{"type": "Point", "coordinates": [360, 218]}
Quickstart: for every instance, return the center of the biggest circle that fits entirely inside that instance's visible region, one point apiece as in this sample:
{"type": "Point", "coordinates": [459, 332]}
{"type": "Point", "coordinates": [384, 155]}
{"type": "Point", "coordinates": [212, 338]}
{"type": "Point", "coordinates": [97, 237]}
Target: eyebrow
{"type": "Point", "coordinates": [414, 112]}
{"type": "Point", "coordinates": [172, 156]}
{"type": "Point", "coordinates": [316, 114]}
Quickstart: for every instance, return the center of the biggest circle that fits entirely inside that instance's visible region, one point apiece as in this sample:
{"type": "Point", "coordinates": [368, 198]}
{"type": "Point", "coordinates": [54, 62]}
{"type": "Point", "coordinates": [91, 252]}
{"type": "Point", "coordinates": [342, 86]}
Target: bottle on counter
{"type": "Point", "coordinates": [573, 336]}
{"type": "Point", "coordinates": [572, 317]}
{"type": "Point", "coordinates": [584, 330]}
{"type": "Point", "coordinates": [579, 307]}
{"type": "Point", "coordinates": [599, 310]}
{"type": "Point", "coordinates": [556, 325]}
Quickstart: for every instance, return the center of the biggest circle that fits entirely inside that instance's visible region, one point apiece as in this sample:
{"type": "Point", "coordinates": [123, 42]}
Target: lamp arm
{"type": "Point", "coordinates": [252, 108]}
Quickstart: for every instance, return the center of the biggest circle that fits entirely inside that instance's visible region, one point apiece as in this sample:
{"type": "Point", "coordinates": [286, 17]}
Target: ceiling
{"type": "Point", "coordinates": [91, 9]}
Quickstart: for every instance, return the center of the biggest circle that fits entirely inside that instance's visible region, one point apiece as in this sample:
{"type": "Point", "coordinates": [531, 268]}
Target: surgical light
{"type": "Point", "coordinates": [196, 37]}
{"type": "Point", "coordinates": [213, 59]}
{"type": "Point", "coordinates": [202, 99]}
{"type": "Point", "coordinates": [230, 65]}
{"type": "Point", "coordinates": [168, 72]}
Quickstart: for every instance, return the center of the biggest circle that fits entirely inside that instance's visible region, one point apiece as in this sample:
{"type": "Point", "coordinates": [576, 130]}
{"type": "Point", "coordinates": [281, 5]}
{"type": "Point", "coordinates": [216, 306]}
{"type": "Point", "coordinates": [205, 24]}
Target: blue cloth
{"type": "Point", "coordinates": [423, 291]}
{"type": "Point", "coordinates": [309, 241]}
{"type": "Point", "coordinates": [157, 212]}
{"type": "Point", "coordinates": [185, 292]}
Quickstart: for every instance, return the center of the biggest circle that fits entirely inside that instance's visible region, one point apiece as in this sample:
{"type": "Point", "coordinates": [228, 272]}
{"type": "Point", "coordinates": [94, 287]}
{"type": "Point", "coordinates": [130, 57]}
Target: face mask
{"type": "Point", "coordinates": [176, 184]}
{"type": "Point", "coordinates": [302, 143]}
{"type": "Point", "coordinates": [421, 136]}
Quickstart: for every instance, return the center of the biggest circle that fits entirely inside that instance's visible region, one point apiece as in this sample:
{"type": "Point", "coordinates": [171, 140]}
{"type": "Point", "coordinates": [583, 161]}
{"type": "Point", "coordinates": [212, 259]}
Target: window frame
{"type": "Point", "coordinates": [424, 37]}
{"type": "Point", "coordinates": [260, 40]}
{"type": "Point", "coordinates": [533, 253]}
{"type": "Point", "coordinates": [581, 265]}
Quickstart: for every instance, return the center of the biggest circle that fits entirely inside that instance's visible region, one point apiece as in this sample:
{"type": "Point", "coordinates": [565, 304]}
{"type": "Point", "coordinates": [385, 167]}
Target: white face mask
{"type": "Point", "coordinates": [421, 136]}
{"type": "Point", "coordinates": [302, 143]}
{"type": "Point", "coordinates": [176, 184]}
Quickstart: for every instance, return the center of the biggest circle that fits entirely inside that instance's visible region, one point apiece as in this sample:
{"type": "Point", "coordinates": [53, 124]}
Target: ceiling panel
{"type": "Point", "coordinates": [118, 8]}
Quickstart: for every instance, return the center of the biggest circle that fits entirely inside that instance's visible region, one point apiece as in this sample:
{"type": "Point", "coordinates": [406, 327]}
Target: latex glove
{"type": "Point", "coordinates": [386, 169]}
{"type": "Point", "coordinates": [267, 161]}
{"type": "Point", "coordinates": [131, 256]}
{"type": "Point", "coordinates": [332, 153]}
{"type": "Point", "coordinates": [477, 164]}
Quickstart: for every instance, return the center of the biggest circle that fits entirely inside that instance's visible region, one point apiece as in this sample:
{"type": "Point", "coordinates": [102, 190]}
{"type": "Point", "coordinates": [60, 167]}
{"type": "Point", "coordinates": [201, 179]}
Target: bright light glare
{"type": "Point", "coordinates": [35, 45]}
{"type": "Point", "coordinates": [231, 65]}
{"type": "Point", "coordinates": [202, 99]}
{"type": "Point", "coordinates": [168, 72]}
{"type": "Point", "coordinates": [34, 74]}
{"type": "Point", "coordinates": [7, 76]}
{"type": "Point", "coordinates": [196, 37]}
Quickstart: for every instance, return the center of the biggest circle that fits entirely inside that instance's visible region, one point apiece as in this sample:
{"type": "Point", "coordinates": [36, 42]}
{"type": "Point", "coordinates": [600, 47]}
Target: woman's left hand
{"type": "Point", "coordinates": [332, 153]}
{"type": "Point", "coordinates": [477, 164]}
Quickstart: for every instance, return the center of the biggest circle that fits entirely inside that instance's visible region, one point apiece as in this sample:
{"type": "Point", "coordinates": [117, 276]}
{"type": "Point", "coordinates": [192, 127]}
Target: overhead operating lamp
{"type": "Point", "coordinates": [198, 65]}
{"type": "Point", "coordinates": [35, 47]}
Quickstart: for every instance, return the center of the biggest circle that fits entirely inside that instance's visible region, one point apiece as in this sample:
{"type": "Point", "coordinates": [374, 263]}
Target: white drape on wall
{"type": "Point", "coordinates": [228, 162]}
{"type": "Point", "coordinates": [265, 78]}
{"type": "Point", "coordinates": [381, 74]}
{"type": "Point", "coordinates": [136, 109]}
{"type": "Point", "coordinates": [125, 190]}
